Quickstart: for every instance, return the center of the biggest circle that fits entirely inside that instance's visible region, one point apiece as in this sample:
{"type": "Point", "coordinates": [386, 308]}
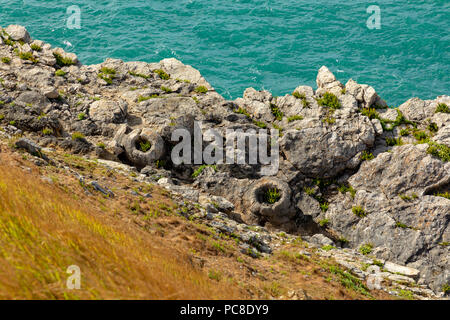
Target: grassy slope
{"type": "Point", "coordinates": [133, 247]}
{"type": "Point", "coordinates": [43, 231]}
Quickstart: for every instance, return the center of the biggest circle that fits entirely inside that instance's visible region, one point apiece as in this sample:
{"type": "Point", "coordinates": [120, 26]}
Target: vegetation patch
{"type": "Point", "coordinates": [366, 248]}
{"type": "Point", "coordinates": [371, 113]}
{"type": "Point", "coordinates": [166, 89]}
{"type": "Point", "coordinates": [329, 100]}
{"type": "Point", "coordinates": [420, 136]}
{"type": "Point", "coordinates": [344, 189]}
{"type": "Point", "coordinates": [439, 150]}
{"type": "Point", "coordinates": [6, 60]}
{"type": "Point", "coordinates": [276, 112]}
{"type": "Point", "coordinates": [359, 211]}
{"type": "Point", "coordinates": [131, 73]}
{"type": "Point", "coordinates": [442, 107]}
{"type": "Point", "coordinates": [260, 124]}
{"type": "Point", "coordinates": [302, 97]}
{"type": "Point", "coordinates": [201, 89]}
{"type": "Point", "coordinates": [294, 118]}
{"type": "Point", "coordinates": [443, 194]}
{"type": "Point", "coordinates": [63, 61]}
{"type": "Point", "coordinates": [394, 141]}
{"type": "Point", "coordinates": [107, 74]}
{"type": "Point", "coordinates": [143, 145]}
{"type": "Point", "coordinates": [27, 56]}
{"type": "Point", "coordinates": [201, 168]}
{"type": "Point", "coordinates": [350, 281]}
{"type": "Point", "coordinates": [47, 131]}
{"type": "Point", "coordinates": [405, 197]}
{"type": "Point", "coordinates": [241, 110]}
{"type": "Point", "coordinates": [365, 155]}
{"type": "Point", "coordinates": [36, 47]}
{"type": "Point", "coordinates": [77, 136]}
{"type": "Point", "coordinates": [162, 74]}
{"type": "Point", "coordinates": [404, 132]}
{"type": "Point", "coordinates": [271, 195]}
{"type": "Point", "coordinates": [60, 73]}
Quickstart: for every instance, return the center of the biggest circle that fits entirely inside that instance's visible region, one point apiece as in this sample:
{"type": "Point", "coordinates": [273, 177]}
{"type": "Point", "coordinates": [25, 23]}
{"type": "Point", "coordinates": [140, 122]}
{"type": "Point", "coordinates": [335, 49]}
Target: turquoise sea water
{"type": "Point", "coordinates": [276, 45]}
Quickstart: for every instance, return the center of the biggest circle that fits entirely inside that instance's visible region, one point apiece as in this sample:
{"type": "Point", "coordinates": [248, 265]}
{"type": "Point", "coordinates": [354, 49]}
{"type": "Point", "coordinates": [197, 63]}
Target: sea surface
{"type": "Point", "coordinates": [274, 45]}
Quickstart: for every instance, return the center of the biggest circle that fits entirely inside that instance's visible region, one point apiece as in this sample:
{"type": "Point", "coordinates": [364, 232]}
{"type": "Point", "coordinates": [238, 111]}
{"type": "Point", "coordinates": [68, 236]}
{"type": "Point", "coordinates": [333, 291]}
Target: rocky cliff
{"type": "Point", "coordinates": [356, 177]}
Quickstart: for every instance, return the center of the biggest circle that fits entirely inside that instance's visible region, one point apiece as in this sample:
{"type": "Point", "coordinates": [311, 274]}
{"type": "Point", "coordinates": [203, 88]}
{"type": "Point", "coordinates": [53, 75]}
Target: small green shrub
{"type": "Point", "coordinates": [420, 136]}
{"type": "Point", "coordinates": [107, 74]}
{"type": "Point", "coordinates": [329, 100]}
{"type": "Point", "coordinates": [398, 224]}
{"type": "Point", "coordinates": [324, 222]}
{"type": "Point", "coordinates": [166, 89]}
{"type": "Point", "coordinates": [63, 61]}
{"type": "Point", "coordinates": [378, 263]}
{"type": "Point", "coordinates": [162, 74]}
{"type": "Point", "coordinates": [404, 132]}
{"type": "Point", "coordinates": [81, 116]}
{"type": "Point", "coordinates": [359, 211]}
{"type": "Point", "coordinates": [350, 281]}
{"type": "Point", "coordinates": [276, 112]}
{"type": "Point", "coordinates": [366, 248]}
{"type": "Point", "coordinates": [138, 75]}
{"type": "Point", "coordinates": [329, 120]}
{"type": "Point", "coordinates": [101, 145]}
{"type": "Point", "coordinates": [201, 168]}
{"type": "Point", "coordinates": [406, 294]}
{"type": "Point", "coordinates": [60, 73]}
{"type": "Point", "coordinates": [433, 127]}
{"type": "Point", "coordinates": [439, 150]}
{"type": "Point", "coordinates": [241, 110]}
{"type": "Point", "coordinates": [6, 60]}
{"type": "Point", "coordinates": [324, 206]}
{"type": "Point", "coordinates": [260, 124]}
{"type": "Point", "coordinates": [446, 288]}
{"type": "Point", "coordinates": [299, 95]}
{"type": "Point", "coordinates": [27, 56]}
{"type": "Point", "coordinates": [272, 195]}
{"type": "Point", "coordinates": [442, 107]}
{"type": "Point", "coordinates": [371, 113]}
{"type": "Point", "coordinates": [294, 118]}
{"type": "Point", "coordinates": [77, 136]}
{"type": "Point", "coordinates": [36, 47]}
{"type": "Point", "coordinates": [443, 194]}
{"type": "Point", "coordinates": [47, 131]}
{"type": "Point", "coordinates": [302, 97]}
{"type": "Point", "coordinates": [405, 197]}
{"type": "Point", "coordinates": [201, 89]}
{"type": "Point", "coordinates": [328, 247]}
{"type": "Point", "coordinates": [144, 146]}
{"type": "Point", "coordinates": [365, 155]}
{"type": "Point", "coordinates": [309, 191]}
{"type": "Point", "coordinates": [344, 189]}
{"type": "Point", "coordinates": [394, 141]}
{"type": "Point", "coordinates": [12, 123]}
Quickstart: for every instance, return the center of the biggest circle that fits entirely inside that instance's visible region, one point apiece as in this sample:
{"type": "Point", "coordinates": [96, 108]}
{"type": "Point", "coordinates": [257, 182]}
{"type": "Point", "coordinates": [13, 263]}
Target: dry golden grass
{"type": "Point", "coordinates": [134, 247]}
{"type": "Point", "coordinates": [43, 230]}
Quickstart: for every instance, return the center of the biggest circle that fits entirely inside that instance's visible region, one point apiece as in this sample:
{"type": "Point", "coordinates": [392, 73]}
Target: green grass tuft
{"type": "Point", "coordinates": [201, 89]}
{"type": "Point", "coordinates": [162, 74]}
{"type": "Point", "coordinates": [329, 100]}
{"type": "Point", "coordinates": [359, 211]}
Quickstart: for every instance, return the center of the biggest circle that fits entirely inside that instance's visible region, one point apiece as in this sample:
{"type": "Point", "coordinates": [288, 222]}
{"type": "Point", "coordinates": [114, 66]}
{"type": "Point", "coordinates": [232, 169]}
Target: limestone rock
{"type": "Point", "coordinates": [18, 33]}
